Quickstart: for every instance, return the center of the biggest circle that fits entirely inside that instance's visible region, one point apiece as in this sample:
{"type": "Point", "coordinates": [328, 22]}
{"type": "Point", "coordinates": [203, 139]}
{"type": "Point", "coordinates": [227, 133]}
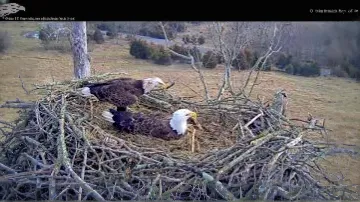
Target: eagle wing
{"type": "Point", "coordinates": [141, 124]}
{"type": "Point", "coordinates": [112, 81]}
{"type": "Point", "coordinates": [120, 92]}
{"type": "Point", "coordinates": [117, 95]}
{"type": "Point", "coordinates": [155, 127]}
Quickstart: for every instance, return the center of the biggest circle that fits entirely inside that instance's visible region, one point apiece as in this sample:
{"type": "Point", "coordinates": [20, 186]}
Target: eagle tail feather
{"type": "Point", "coordinates": [86, 91]}
{"type": "Point", "coordinates": [108, 116]}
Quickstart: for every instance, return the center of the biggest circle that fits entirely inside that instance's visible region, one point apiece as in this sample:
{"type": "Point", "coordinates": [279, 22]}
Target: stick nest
{"type": "Point", "coordinates": [61, 149]}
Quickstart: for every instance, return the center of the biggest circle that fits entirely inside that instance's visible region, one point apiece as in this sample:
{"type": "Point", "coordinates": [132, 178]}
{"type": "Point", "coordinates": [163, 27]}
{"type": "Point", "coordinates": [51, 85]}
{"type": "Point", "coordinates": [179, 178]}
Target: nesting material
{"type": "Point", "coordinates": [62, 149]}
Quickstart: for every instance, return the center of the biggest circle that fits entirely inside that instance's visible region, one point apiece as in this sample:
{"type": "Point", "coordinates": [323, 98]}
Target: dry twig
{"type": "Point", "coordinates": [67, 155]}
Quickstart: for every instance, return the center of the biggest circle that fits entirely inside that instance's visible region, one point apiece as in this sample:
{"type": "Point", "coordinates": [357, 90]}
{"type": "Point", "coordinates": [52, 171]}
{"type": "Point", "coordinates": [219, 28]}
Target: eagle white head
{"type": "Point", "coordinates": [151, 83]}
{"type": "Point", "coordinates": [179, 119]}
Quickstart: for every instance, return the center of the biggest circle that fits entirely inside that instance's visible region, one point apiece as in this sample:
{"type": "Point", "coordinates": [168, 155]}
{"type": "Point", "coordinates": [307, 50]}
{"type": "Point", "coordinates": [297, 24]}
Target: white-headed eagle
{"type": "Point", "coordinates": [122, 92]}
{"type": "Point", "coordinates": [150, 125]}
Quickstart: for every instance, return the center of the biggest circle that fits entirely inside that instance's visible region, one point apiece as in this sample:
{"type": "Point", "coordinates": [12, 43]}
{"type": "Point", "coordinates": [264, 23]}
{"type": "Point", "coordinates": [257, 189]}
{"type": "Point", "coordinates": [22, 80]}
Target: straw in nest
{"type": "Point", "coordinates": [61, 149]}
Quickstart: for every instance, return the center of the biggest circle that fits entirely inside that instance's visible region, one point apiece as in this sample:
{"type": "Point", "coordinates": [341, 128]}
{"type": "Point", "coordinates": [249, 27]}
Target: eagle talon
{"type": "Point", "coordinates": [129, 109]}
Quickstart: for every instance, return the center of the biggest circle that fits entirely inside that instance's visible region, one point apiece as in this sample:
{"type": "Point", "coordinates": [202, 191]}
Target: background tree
{"type": "Point", "coordinates": [228, 40]}
{"type": "Point", "coordinates": [79, 49]}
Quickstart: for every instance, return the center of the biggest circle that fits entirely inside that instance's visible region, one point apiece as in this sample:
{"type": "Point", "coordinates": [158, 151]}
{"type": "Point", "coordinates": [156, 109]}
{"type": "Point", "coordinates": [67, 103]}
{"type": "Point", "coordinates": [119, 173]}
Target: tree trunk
{"type": "Point", "coordinates": [79, 49]}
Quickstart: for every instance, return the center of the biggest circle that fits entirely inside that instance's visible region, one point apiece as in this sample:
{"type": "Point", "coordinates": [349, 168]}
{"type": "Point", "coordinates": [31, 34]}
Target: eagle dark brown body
{"type": "Point", "coordinates": [119, 92]}
{"type": "Point", "coordinates": [139, 123]}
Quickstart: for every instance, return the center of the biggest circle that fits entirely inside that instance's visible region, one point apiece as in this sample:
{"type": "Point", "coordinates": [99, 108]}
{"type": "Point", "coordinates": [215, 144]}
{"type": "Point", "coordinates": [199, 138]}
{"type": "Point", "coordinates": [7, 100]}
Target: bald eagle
{"type": "Point", "coordinates": [167, 129]}
{"type": "Point", "coordinates": [122, 92]}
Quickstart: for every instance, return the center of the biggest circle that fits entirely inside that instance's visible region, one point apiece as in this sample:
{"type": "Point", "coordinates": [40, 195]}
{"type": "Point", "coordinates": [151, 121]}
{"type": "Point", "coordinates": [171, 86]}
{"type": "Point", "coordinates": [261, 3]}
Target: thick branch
{"type": "Point", "coordinates": [63, 155]}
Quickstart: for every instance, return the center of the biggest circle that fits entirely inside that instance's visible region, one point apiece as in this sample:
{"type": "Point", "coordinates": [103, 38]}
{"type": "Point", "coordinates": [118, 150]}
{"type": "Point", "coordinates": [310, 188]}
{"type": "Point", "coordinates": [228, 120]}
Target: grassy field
{"type": "Point", "coordinates": [336, 100]}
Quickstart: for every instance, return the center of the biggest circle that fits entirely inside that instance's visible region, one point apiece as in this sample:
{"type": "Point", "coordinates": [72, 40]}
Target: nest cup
{"type": "Point", "coordinates": [62, 149]}
{"type": "Point", "coordinates": [212, 136]}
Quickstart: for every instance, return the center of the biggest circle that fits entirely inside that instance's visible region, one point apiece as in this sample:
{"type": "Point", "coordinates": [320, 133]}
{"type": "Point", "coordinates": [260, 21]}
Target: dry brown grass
{"type": "Point", "coordinates": [336, 100]}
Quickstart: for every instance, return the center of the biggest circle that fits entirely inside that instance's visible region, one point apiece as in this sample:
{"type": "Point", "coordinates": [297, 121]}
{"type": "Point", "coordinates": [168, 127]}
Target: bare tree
{"type": "Point", "coordinates": [278, 36]}
{"type": "Point", "coordinates": [231, 38]}
{"type": "Point", "coordinates": [79, 49]}
{"type": "Point", "coordinates": [228, 40]}
{"type": "Point", "coordinates": [76, 35]}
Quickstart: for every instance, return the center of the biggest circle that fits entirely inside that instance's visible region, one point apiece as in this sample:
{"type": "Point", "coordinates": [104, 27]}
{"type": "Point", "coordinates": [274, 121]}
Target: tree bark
{"type": "Point", "coordinates": [79, 49]}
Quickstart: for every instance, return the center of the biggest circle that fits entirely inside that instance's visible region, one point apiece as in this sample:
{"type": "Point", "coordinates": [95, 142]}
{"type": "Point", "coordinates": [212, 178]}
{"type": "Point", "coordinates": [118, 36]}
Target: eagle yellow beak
{"type": "Point", "coordinates": [193, 115]}
{"type": "Point", "coordinates": [164, 86]}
